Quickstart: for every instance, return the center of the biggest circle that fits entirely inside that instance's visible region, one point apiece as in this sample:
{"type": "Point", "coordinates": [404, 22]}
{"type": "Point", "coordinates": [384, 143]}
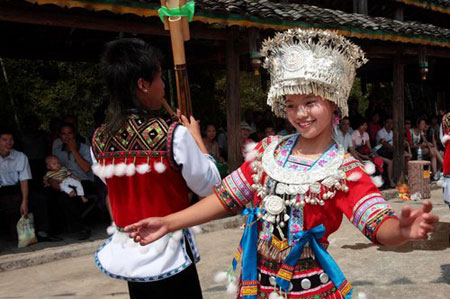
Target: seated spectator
{"type": "Point", "coordinates": [223, 143]}
{"type": "Point", "coordinates": [212, 146]}
{"type": "Point", "coordinates": [344, 137]}
{"type": "Point", "coordinates": [361, 142]}
{"type": "Point", "coordinates": [69, 119]}
{"type": "Point", "coordinates": [269, 130]}
{"type": "Point", "coordinates": [385, 140]}
{"type": "Point", "coordinates": [373, 127]}
{"type": "Point", "coordinates": [76, 157]}
{"type": "Point", "coordinates": [419, 138]}
{"type": "Point", "coordinates": [68, 183]}
{"type": "Point", "coordinates": [14, 190]}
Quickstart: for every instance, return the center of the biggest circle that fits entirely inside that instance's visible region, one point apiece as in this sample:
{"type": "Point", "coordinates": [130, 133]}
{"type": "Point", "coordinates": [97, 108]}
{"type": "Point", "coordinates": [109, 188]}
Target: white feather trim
{"type": "Point", "coordinates": [220, 277]}
{"type": "Point", "coordinates": [232, 288]}
{"type": "Point", "coordinates": [369, 167]}
{"type": "Point", "coordinates": [160, 167]}
{"type": "Point", "coordinates": [445, 138]}
{"type": "Point", "coordinates": [109, 171]}
{"type": "Point", "coordinates": [355, 176]}
{"type": "Point", "coordinates": [362, 295]}
{"type": "Point", "coordinates": [131, 169]}
{"type": "Point", "coordinates": [120, 169]}
{"type": "Point", "coordinates": [143, 168]}
{"type": "Point", "coordinates": [377, 180]}
{"type": "Point", "coordinates": [197, 229]}
{"type": "Point", "coordinates": [250, 152]}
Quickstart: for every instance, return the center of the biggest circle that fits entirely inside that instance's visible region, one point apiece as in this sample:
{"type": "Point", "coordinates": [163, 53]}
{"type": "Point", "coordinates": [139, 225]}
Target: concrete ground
{"type": "Point", "coordinates": [415, 270]}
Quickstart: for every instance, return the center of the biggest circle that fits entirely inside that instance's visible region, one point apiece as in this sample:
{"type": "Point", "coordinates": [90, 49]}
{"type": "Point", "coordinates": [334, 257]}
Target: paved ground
{"type": "Point", "coordinates": [415, 270]}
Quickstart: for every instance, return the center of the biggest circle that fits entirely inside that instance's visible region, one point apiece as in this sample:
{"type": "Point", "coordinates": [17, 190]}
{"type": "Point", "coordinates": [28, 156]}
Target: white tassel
{"type": "Point", "coordinates": [377, 181]}
{"type": "Point", "coordinates": [120, 169]}
{"type": "Point", "coordinates": [143, 168]}
{"type": "Point", "coordinates": [197, 229]}
{"type": "Point", "coordinates": [160, 167]}
{"type": "Point", "coordinates": [109, 171]}
{"type": "Point", "coordinates": [369, 167]}
{"type": "Point", "coordinates": [355, 176]}
{"type": "Point", "coordinates": [131, 169]}
{"type": "Point", "coordinates": [232, 288]}
{"type": "Point", "coordinates": [220, 277]}
{"type": "Point", "coordinates": [96, 169]}
{"type": "Point", "coordinates": [362, 295]}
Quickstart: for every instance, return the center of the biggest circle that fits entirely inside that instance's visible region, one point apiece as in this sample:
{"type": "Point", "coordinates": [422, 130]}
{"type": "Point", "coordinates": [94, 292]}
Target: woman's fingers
{"type": "Point", "coordinates": [427, 206]}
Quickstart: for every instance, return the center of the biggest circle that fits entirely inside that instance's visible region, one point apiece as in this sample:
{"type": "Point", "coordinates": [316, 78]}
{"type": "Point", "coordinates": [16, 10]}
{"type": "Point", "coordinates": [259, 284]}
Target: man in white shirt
{"type": "Point", "coordinates": [344, 137]}
{"type": "Point", "coordinates": [14, 190]}
{"type": "Point", "coordinates": [385, 140]}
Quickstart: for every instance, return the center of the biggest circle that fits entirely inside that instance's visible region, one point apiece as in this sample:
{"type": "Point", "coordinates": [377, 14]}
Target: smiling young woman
{"type": "Point", "coordinates": [297, 188]}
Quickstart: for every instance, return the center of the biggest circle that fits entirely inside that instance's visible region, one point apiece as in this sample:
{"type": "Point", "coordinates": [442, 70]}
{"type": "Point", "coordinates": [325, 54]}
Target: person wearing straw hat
{"type": "Point", "coordinates": [148, 165]}
{"type": "Point", "coordinates": [295, 190]}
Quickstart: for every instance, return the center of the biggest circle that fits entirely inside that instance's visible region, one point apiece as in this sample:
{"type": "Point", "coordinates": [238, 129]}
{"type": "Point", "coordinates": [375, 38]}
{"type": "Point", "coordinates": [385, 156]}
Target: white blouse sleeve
{"type": "Point", "coordinates": [198, 170]}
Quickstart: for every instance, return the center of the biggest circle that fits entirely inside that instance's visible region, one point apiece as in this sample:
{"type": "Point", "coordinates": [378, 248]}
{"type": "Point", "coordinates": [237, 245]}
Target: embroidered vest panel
{"type": "Point", "coordinates": [141, 174]}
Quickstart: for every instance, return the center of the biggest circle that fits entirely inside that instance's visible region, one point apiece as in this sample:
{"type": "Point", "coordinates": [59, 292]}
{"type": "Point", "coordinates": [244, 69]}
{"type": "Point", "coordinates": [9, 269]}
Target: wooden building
{"type": "Point", "coordinates": [400, 37]}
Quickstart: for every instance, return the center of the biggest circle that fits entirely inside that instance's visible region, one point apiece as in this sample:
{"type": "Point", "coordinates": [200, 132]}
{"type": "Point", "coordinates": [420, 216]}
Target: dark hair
{"type": "Point", "coordinates": [64, 125]}
{"type": "Point", "coordinates": [123, 62]}
{"type": "Point", "coordinates": [359, 121]}
{"type": "Point", "coordinates": [6, 131]}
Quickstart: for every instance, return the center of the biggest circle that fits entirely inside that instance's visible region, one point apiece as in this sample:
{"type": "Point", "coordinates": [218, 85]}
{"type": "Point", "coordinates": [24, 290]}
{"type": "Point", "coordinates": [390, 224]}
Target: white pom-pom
{"type": "Point", "coordinates": [362, 295]}
{"type": "Point", "coordinates": [120, 169]}
{"type": "Point", "coordinates": [445, 138]}
{"type": "Point", "coordinates": [232, 288]}
{"type": "Point", "coordinates": [96, 169]}
{"type": "Point", "coordinates": [144, 249]}
{"type": "Point", "coordinates": [110, 230]}
{"type": "Point", "coordinates": [369, 167]}
{"type": "Point", "coordinates": [355, 176]}
{"type": "Point", "coordinates": [197, 229]}
{"type": "Point", "coordinates": [131, 169]}
{"type": "Point", "coordinates": [377, 181]}
{"type": "Point", "coordinates": [160, 167]}
{"type": "Point", "coordinates": [274, 295]}
{"type": "Point", "coordinates": [220, 277]}
{"type": "Point", "coordinates": [143, 168]}
{"type": "Point", "coordinates": [109, 171]}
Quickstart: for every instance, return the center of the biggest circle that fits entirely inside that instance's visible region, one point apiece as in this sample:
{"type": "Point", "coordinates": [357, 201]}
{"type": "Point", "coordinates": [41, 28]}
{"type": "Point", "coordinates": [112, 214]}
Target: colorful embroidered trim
{"type": "Point", "coordinates": [373, 224]}
{"type": "Point", "coordinates": [345, 288]}
{"type": "Point", "coordinates": [286, 272]}
{"type": "Point", "coordinates": [228, 202]}
{"type": "Point", "coordinates": [280, 245]}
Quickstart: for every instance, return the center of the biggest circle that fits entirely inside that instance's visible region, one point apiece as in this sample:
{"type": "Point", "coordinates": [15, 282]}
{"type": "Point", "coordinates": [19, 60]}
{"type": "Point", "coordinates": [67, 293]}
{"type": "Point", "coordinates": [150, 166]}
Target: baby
{"type": "Point", "coordinates": [67, 181]}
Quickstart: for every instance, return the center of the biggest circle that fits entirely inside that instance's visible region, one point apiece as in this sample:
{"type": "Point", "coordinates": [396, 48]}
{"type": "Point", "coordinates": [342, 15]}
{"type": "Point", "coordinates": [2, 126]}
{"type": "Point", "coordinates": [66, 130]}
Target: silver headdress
{"type": "Point", "coordinates": [316, 62]}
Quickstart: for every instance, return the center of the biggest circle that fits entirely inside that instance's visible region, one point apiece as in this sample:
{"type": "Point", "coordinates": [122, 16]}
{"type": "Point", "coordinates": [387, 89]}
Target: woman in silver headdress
{"type": "Point", "coordinates": [300, 186]}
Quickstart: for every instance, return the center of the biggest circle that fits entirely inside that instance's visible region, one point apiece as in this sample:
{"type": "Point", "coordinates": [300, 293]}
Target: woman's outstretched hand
{"type": "Point", "coordinates": [416, 224]}
{"type": "Point", "coordinates": [147, 230]}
